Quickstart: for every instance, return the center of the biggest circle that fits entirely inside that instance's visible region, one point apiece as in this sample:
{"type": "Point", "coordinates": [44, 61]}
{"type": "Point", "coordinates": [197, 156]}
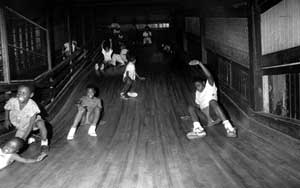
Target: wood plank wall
{"type": "Point", "coordinates": [228, 37]}
{"type": "Point", "coordinates": [280, 27]}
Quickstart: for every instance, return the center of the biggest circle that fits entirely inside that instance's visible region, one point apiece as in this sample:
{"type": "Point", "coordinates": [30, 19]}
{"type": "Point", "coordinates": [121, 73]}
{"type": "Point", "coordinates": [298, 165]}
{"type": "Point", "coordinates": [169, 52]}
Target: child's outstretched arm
{"type": "Point", "coordinates": [205, 70]}
{"type": "Point", "coordinates": [20, 159]}
{"type": "Point", "coordinates": [110, 43]}
{"type": "Point", "coordinates": [102, 44]}
{"type": "Point", "coordinates": [140, 77]}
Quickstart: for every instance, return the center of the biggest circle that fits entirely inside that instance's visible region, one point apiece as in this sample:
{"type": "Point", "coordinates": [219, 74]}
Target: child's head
{"type": "Point", "coordinates": [25, 92]}
{"type": "Point", "coordinates": [199, 83]}
{"type": "Point", "coordinates": [106, 46]}
{"type": "Point", "coordinates": [13, 145]}
{"type": "Point", "coordinates": [130, 57]}
{"type": "Point", "coordinates": [91, 91]}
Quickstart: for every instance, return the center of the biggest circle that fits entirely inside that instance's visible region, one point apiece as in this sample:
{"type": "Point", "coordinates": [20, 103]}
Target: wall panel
{"type": "Point", "coordinates": [280, 27]}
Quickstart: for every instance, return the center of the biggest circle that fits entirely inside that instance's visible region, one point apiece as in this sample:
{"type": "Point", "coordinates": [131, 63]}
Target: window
{"type": "Point", "coordinates": [281, 95]}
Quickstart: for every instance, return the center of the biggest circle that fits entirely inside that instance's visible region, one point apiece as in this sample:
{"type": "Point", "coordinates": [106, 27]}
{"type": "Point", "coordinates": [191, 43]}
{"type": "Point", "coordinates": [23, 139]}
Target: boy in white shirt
{"type": "Point", "coordinates": [207, 101]}
{"type": "Point", "coordinates": [129, 76]}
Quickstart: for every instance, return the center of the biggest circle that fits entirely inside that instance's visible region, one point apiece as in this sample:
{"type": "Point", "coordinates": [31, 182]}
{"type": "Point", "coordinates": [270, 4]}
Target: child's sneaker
{"type": "Point", "coordinates": [96, 66]}
{"type": "Point", "coordinates": [102, 67]}
{"type": "Point", "coordinates": [231, 133]}
{"type": "Point", "coordinates": [197, 133]}
{"type": "Point", "coordinates": [123, 96]}
{"type": "Point", "coordinates": [92, 131]}
{"type": "Point", "coordinates": [31, 140]}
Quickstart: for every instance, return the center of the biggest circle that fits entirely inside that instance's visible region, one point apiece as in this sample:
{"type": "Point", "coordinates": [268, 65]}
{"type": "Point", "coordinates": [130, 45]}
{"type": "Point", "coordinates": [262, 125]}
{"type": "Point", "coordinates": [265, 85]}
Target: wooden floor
{"type": "Point", "coordinates": [143, 144]}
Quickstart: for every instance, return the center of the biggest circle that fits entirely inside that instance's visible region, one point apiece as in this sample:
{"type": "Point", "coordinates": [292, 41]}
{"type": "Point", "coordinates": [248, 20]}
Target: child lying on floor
{"type": "Point", "coordinates": [9, 153]}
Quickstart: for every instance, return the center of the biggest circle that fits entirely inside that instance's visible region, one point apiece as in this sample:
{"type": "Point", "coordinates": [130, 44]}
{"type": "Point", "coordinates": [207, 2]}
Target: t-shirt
{"type": "Point", "coordinates": [5, 159]}
{"type": "Point", "coordinates": [147, 34]}
{"type": "Point", "coordinates": [130, 71]}
{"type": "Point", "coordinates": [209, 93]}
{"type": "Point", "coordinates": [90, 103]}
{"type": "Point", "coordinates": [21, 118]}
{"type": "Point", "coordinates": [107, 55]}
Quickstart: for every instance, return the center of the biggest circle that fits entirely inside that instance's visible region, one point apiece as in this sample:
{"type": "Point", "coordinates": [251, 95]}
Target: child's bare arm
{"type": "Point", "coordinates": [21, 159]}
{"type": "Point", "coordinates": [7, 123]}
{"type": "Point", "coordinates": [102, 44]}
{"type": "Point", "coordinates": [140, 77]}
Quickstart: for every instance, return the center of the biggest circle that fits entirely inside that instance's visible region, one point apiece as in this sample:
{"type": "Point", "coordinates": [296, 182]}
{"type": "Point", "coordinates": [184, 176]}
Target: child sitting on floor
{"type": "Point", "coordinates": [23, 113]}
{"type": "Point", "coordinates": [207, 107]}
{"type": "Point", "coordinates": [89, 108]}
{"type": "Point", "coordinates": [9, 153]}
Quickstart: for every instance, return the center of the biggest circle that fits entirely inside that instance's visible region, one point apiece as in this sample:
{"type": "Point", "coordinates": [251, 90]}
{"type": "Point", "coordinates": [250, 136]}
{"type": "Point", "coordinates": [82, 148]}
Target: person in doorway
{"type": "Point", "coordinates": [207, 108]}
{"type": "Point", "coordinates": [147, 36]}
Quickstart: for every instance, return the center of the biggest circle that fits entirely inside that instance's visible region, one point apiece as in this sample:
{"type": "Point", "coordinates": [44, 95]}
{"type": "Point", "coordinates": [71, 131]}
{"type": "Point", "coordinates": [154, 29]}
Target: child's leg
{"type": "Point", "coordinates": [93, 117]}
{"type": "Point", "coordinates": [127, 86]}
{"type": "Point", "coordinates": [44, 134]}
{"type": "Point", "coordinates": [78, 117]}
{"type": "Point", "coordinates": [215, 108]}
{"type": "Point", "coordinates": [43, 131]}
{"type": "Point", "coordinates": [197, 116]}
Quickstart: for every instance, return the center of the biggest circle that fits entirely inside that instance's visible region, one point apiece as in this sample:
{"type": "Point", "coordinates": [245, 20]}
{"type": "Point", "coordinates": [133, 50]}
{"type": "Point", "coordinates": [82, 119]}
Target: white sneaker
{"type": "Point", "coordinates": [92, 131]}
{"type": "Point", "coordinates": [96, 66]}
{"type": "Point", "coordinates": [31, 140]}
{"type": "Point", "coordinates": [196, 134]}
{"type": "Point", "coordinates": [102, 67]}
{"type": "Point", "coordinates": [71, 134]}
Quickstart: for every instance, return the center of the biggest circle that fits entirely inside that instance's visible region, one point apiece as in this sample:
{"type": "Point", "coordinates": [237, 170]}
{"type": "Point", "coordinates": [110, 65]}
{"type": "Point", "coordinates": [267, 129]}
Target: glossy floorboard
{"type": "Point", "coordinates": [143, 145]}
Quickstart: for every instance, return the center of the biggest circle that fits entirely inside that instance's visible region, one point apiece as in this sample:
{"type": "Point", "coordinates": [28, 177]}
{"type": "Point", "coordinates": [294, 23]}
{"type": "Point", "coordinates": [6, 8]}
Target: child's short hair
{"type": "Point", "coordinates": [106, 44]}
{"type": "Point", "coordinates": [91, 86]}
{"type": "Point", "coordinates": [29, 86]}
{"type": "Point", "coordinates": [19, 143]}
{"type": "Point", "coordinates": [199, 79]}
{"type": "Point", "coordinates": [130, 57]}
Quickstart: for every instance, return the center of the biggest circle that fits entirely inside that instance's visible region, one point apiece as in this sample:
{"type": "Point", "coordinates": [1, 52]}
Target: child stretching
{"type": "Point", "coordinates": [9, 153]}
{"type": "Point", "coordinates": [107, 54]}
{"type": "Point", "coordinates": [129, 76]}
{"type": "Point", "coordinates": [89, 108]}
{"type": "Point", "coordinates": [206, 100]}
{"type": "Point", "coordinates": [23, 113]}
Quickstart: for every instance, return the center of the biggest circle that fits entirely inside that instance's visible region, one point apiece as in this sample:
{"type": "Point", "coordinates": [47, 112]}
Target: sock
{"type": "Point", "coordinates": [197, 125]}
{"type": "Point", "coordinates": [44, 142]}
{"type": "Point", "coordinates": [227, 125]}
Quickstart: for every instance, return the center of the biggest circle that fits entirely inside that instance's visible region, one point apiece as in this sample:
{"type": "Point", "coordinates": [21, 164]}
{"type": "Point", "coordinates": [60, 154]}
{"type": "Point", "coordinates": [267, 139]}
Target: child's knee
{"type": "Point", "coordinates": [82, 109]}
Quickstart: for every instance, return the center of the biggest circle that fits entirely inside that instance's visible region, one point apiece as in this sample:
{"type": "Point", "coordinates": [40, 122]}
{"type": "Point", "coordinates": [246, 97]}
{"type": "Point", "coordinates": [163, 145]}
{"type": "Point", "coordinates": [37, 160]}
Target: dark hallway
{"type": "Point", "coordinates": [142, 142]}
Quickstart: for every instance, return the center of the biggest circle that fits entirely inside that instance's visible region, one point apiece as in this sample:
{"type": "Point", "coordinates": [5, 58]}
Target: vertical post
{"type": "Point", "coordinates": [255, 73]}
{"type": "Point", "coordinates": [49, 29]}
{"type": "Point", "coordinates": [202, 38]}
{"type": "Point", "coordinates": [4, 44]}
{"type": "Point", "coordinates": [69, 30]}
{"type": "Point", "coordinates": [83, 30]}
